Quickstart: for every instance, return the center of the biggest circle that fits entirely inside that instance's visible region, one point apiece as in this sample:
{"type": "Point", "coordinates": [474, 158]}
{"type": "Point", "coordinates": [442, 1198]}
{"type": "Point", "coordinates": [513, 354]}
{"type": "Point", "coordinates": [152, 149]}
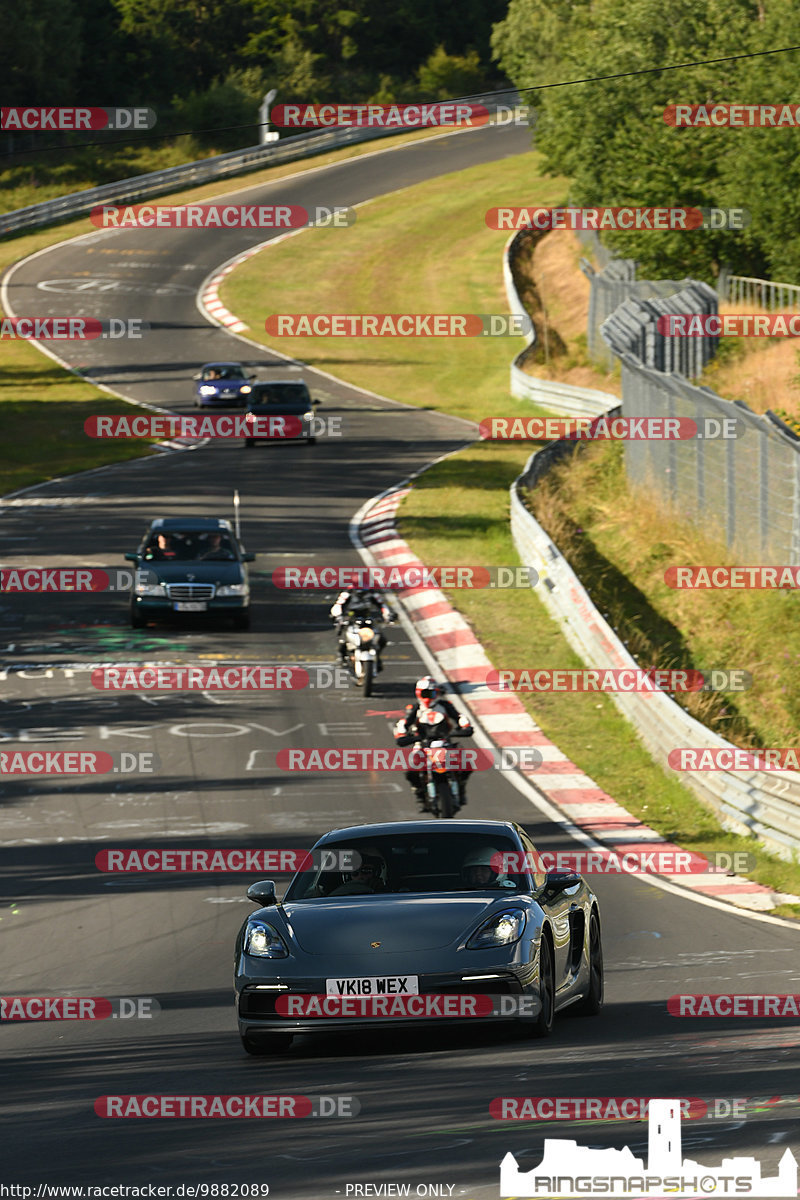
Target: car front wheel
{"type": "Point", "coordinates": [592, 1002]}
{"type": "Point", "coordinates": [543, 1025]}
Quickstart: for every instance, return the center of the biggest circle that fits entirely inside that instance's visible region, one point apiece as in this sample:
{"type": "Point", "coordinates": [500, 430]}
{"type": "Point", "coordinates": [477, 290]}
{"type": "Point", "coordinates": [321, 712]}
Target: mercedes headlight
{"type": "Point", "coordinates": [143, 588]}
{"type": "Point", "coordinates": [308, 416]}
{"type": "Point", "coordinates": [502, 929]}
{"type": "Point", "coordinates": [233, 589]}
{"type": "Point", "coordinates": [262, 940]}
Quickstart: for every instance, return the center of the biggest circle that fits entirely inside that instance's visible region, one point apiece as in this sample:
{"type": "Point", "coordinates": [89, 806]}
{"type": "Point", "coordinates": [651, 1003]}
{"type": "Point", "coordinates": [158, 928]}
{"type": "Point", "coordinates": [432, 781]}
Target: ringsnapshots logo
{"type": "Point", "coordinates": [737, 578]}
{"type": "Point", "coordinates": [221, 216]}
{"type": "Point", "coordinates": [71, 329]}
{"type": "Point", "coordinates": [29, 120]}
{"type": "Point", "coordinates": [616, 429]}
{"type": "Point", "coordinates": [27, 763]}
{"type": "Point", "coordinates": [732, 116]}
{"type": "Point", "coordinates": [617, 679]}
{"type": "Point", "coordinates": [569, 1170]}
{"type": "Point", "coordinates": [254, 861]}
{"type": "Point", "coordinates": [71, 579]}
{"type": "Point", "coordinates": [248, 425]}
{"type": "Point", "coordinates": [401, 579]}
{"type": "Point", "coordinates": [749, 325]}
{"type": "Point", "coordinates": [203, 1107]}
{"type": "Point", "coordinates": [623, 218]}
{"type": "Point", "coordinates": [398, 325]}
{"type": "Point", "coordinates": [78, 1008]}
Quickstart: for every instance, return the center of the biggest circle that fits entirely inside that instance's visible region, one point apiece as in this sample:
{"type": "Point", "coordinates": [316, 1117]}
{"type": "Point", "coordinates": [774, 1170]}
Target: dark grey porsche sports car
{"type": "Point", "coordinates": [412, 923]}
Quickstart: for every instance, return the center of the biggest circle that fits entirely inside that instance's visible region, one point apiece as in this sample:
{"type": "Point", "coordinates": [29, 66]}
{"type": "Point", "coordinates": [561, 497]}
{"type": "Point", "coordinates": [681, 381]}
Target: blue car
{"type": "Point", "coordinates": [222, 383]}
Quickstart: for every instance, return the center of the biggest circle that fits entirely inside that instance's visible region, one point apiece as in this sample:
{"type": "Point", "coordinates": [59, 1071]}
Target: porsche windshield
{"type": "Point", "coordinates": [416, 863]}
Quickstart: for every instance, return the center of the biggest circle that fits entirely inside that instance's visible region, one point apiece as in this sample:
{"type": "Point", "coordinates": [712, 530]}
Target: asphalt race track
{"type": "Point", "coordinates": [68, 929]}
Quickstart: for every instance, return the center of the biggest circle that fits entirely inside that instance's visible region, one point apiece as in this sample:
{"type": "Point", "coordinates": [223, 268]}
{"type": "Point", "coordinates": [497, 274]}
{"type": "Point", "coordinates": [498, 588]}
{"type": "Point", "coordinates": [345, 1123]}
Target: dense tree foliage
{"type": "Point", "coordinates": [611, 139]}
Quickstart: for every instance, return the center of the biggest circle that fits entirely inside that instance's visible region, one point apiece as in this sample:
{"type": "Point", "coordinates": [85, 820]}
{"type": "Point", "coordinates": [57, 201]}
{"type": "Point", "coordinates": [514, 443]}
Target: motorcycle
{"type": "Point", "coordinates": [441, 785]}
{"type": "Point", "coordinates": [363, 644]}
{"type": "Point", "coordinates": [439, 779]}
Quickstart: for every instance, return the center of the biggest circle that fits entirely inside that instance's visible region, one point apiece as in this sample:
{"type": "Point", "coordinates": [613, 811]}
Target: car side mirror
{"type": "Point", "coordinates": [561, 881]}
{"type": "Point", "coordinates": [132, 557]}
{"type": "Point", "coordinates": [252, 377]}
{"type": "Point", "coordinates": [262, 893]}
{"type": "Point", "coordinates": [316, 402]}
{"type": "Point", "coordinates": [199, 375]}
{"type": "Point", "coordinates": [248, 556]}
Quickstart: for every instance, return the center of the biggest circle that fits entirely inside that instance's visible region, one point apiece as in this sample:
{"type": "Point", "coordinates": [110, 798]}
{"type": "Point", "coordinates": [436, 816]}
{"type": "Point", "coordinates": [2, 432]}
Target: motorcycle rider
{"type": "Point", "coordinates": [359, 602]}
{"type": "Point", "coordinates": [432, 718]}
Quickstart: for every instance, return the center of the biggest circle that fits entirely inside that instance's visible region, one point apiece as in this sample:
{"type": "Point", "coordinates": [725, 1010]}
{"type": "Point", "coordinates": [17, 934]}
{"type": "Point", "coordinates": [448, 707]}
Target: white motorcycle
{"type": "Point", "coordinates": [363, 644]}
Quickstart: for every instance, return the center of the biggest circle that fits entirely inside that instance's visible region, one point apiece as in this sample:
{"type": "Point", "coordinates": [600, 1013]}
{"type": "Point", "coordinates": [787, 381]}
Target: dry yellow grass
{"type": "Point", "coordinates": [764, 372]}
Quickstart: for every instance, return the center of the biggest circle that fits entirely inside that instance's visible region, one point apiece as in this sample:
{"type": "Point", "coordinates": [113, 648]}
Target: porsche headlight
{"type": "Point", "coordinates": [262, 940]}
{"type": "Point", "coordinates": [206, 390]}
{"type": "Point", "coordinates": [502, 929]}
{"type": "Point", "coordinates": [233, 589]}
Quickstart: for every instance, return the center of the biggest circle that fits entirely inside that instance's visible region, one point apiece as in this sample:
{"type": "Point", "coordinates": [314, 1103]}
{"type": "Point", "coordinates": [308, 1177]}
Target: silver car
{"type": "Point", "coordinates": [412, 923]}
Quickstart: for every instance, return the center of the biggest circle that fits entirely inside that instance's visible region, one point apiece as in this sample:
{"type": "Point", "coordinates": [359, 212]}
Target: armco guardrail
{"type": "Point", "coordinates": [563, 398]}
{"type": "Point", "coordinates": [220, 166]}
{"type": "Point", "coordinates": [761, 293]}
{"type": "Point", "coordinates": [756, 803]}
